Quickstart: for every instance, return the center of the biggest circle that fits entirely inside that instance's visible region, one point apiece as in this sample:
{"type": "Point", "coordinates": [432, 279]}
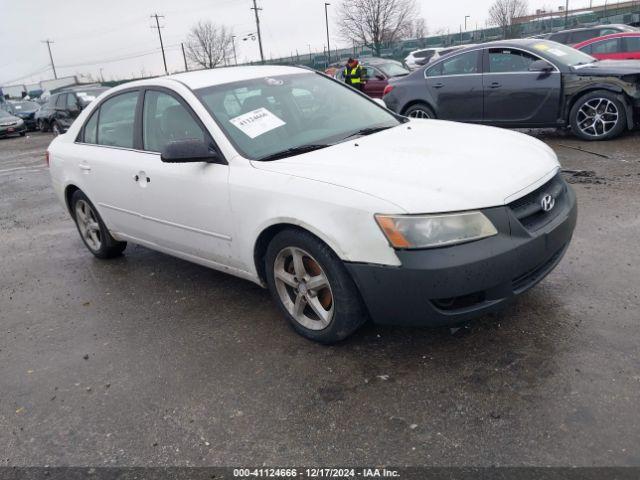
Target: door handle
{"type": "Point", "coordinates": [136, 178]}
{"type": "Point", "coordinates": [85, 167]}
{"type": "Point", "coordinates": [495, 85]}
{"type": "Point", "coordinates": [438, 85]}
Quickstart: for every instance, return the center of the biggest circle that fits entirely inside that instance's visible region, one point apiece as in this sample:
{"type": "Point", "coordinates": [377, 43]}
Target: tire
{"type": "Point", "coordinates": [420, 110]}
{"type": "Point", "coordinates": [22, 134]}
{"type": "Point", "coordinates": [55, 128]}
{"type": "Point", "coordinates": [342, 307]}
{"type": "Point", "coordinates": [42, 125]}
{"type": "Point", "coordinates": [592, 114]}
{"type": "Point", "coordinates": [93, 232]}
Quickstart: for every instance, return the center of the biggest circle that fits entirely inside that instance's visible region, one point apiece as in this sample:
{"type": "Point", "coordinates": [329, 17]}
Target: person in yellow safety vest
{"type": "Point", "coordinates": [354, 74]}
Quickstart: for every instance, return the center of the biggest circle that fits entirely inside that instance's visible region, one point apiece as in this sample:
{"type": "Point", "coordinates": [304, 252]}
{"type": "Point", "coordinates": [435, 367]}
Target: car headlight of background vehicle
{"type": "Point", "coordinates": [428, 231]}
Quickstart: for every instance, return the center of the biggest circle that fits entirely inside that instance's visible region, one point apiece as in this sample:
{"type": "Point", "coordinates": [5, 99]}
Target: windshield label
{"type": "Point", "coordinates": [256, 122]}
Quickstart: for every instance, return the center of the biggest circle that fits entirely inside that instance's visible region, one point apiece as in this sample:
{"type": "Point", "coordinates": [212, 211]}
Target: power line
{"type": "Point", "coordinates": [41, 70]}
{"type": "Point", "coordinates": [255, 9]}
{"type": "Point", "coordinates": [164, 58]}
{"type": "Point", "coordinates": [53, 67]}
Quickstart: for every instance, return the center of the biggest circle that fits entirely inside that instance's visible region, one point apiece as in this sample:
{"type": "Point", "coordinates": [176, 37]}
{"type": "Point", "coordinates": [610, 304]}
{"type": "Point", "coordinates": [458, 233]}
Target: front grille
{"type": "Point", "coordinates": [528, 209]}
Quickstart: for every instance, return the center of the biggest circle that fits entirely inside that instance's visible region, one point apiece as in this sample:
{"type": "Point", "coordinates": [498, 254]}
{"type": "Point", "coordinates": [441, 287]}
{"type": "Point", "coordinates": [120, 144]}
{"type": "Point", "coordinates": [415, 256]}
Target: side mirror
{"type": "Point", "coordinates": [379, 77]}
{"type": "Point", "coordinates": [190, 151]}
{"type": "Point", "coordinates": [541, 66]}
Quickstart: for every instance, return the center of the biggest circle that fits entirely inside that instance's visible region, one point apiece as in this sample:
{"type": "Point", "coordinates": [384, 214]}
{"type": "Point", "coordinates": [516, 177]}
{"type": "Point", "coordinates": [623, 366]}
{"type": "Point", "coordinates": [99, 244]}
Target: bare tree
{"type": "Point", "coordinates": [376, 22]}
{"type": "Point", "coordinates": [208, 44]}
{"type": "Point", "coordinates": [420, 29]}
{"type": "Point", "coordinates": [503, 12]}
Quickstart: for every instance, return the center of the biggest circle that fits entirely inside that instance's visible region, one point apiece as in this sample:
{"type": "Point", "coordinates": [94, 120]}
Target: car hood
{"type": "Point", "coordinates": [430, 166]}
{"type": "Point", "coordinates": [609, 67]}
{"type": "Point", "coordinates": [9, 119]}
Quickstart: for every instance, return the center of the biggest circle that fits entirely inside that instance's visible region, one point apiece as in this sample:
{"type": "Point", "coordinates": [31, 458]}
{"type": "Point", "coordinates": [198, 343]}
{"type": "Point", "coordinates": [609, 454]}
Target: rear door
{"type": "Point", "coordinates": [513, 94]}
{"type": "Point", "coordinates": [455, 86]}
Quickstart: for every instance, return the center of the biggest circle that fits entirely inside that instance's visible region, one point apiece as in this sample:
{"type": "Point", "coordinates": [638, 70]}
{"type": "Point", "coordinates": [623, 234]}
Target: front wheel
{"type": "Point", "coordinates": [92, 229]}
{"type": "Point", "coordinates": [419, 110]}
{"type": "Point", "coordinates": [598, 115]}
{"type": "Point", "coordinates": [312, 287]}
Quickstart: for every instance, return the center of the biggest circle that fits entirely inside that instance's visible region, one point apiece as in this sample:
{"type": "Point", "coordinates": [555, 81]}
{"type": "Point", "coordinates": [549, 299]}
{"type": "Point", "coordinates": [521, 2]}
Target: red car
{"type": "Point", "coordinates": [379, 71]}
{"type": "Point", "coordinates": [617, 46]}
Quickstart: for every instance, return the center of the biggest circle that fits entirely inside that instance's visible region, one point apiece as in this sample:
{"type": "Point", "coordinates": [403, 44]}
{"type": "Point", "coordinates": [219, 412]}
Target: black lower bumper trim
{"type": "Point", "coordinates": [448, 286]}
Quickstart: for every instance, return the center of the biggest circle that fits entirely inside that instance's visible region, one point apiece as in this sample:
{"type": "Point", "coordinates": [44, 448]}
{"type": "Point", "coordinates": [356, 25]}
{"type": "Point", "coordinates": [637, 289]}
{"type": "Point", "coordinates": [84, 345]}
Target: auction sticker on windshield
{"type": "Point", "coordinates": [256, 122]}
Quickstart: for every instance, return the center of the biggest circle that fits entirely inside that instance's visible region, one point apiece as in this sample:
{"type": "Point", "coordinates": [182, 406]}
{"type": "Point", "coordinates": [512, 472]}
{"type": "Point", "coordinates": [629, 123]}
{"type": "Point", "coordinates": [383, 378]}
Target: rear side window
{"type": "Point", "coordinates": [559, 37]}
{"type": "Point", "coordinates": [605, 46]}
{"type": "Point", "coordinates": [165, 120]}
{"type": "Point", "coordinates": [582, 35]}
{"type": "Point", "coordinates": [115, 125]}
{"type": "Point", "coordinates": [508, 61]}
{"type": "Point", "coordinates": [60, 101]}
{"type": "Point", "coordinates": [71, 102]}
{"type": "Point", "coordinates": [631, 44]}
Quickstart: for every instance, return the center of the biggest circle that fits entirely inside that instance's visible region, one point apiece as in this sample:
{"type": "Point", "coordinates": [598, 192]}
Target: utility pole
{"type": "Point", "coordinates": [164, 59]}
{"type": "Point", "coordinates": [233, 42]}
{"type": "Point", "coordinates": [53, 67]}
{"type": "Point", "coordinates": [566, 13]}
{"type": "Point", "coordinates": [465, 21]}
{"type": "Point", "coordinates": [184, 57]}
{"type": "Point", "coordinates": [255, 10]}
{"type": "Point", "coordinates": [326, 18]}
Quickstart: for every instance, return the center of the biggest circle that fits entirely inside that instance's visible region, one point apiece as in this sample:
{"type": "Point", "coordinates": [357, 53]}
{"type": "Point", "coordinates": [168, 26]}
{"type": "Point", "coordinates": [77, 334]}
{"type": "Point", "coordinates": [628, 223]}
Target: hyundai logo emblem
{"type": "Point", "coordinates": [547, 202]}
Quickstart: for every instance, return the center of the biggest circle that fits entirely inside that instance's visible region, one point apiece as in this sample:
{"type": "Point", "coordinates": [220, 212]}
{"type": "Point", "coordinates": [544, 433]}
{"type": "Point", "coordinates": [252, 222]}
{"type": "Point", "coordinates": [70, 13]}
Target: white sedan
{"type": "Point", "coordinates": [294, 181]}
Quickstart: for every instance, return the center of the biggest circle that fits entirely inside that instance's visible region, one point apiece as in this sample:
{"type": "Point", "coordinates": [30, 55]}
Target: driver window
{"type": "Point", "coordinates": [509, 61]}
{"type": "Point", "coordinates": [165, 120]}
{"type": "Point", "coordinates": [606, 46]}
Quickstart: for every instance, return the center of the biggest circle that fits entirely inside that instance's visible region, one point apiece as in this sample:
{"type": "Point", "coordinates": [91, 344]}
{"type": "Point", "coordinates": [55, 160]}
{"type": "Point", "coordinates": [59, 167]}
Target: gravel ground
{"type": "Point", "coordinates": [150, 360]}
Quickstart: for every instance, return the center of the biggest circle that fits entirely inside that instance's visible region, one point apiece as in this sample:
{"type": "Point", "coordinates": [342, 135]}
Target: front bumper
{"type": "Point", "coordinates": [451, 285]}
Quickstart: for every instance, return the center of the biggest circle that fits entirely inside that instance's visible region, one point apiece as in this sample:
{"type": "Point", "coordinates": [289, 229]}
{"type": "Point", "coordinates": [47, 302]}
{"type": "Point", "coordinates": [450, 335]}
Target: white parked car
{"type": "Point", "coordinates": [292, 180]}
{"type": "Point", "coordinates": [417, 58]}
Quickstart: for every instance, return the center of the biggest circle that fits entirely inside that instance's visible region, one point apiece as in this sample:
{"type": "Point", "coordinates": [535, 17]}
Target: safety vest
{"type": "Point", "coordinates": [354, 77]}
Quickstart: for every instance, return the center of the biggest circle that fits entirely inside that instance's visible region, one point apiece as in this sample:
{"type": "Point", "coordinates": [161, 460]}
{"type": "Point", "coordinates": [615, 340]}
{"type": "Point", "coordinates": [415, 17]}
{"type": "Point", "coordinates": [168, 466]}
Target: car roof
{"type": "Point", "coordinates": [604, 25]}
{"type": "Point", "coordinates": [222, 75]}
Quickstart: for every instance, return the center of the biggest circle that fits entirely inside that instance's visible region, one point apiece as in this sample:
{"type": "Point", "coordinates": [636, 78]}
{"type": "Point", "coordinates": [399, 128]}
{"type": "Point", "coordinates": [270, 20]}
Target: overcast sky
{"type": "Point", "coordinates": [90, 34]}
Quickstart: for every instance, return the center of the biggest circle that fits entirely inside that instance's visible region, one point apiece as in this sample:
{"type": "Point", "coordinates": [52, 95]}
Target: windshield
{"type": "Point", "coordinates": [564, 54]}
{"type": "Point", "coordinates": [28, 106]}
{"type": "Point", "coordinates": [265, 116]}
{"type": "Point", "coordinates": [393, 69]}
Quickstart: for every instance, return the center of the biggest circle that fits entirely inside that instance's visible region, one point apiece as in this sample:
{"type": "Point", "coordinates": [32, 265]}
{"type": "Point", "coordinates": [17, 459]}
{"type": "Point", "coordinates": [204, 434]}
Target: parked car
{"type": "Point", "coordinates": [524, 83]}
{"type": "Point", "coordinates": [64, 107]}
{"type": "Point", "coordinates": [379, 71]}
{"type": "Point", "coordinates": [11, 125]}
{"type": "Point", "coordinates": [578, 35]}
{"type": "Point", "coordinates": [420, 57]}
{"type": "Point", "coordinates": [24, 109]}
{"type": "Point", "coordinates": [442, 53]}
{"type": "Point", "coordinates": [618, 46]}
{"type": "Point", "coordinates": [335, 205]}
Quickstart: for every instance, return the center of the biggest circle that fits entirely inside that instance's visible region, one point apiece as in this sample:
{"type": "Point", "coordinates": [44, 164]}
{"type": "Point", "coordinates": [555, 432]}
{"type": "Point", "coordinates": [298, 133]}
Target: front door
{"type": "Point", "coordinates": [513, 94]}
{"type": "Point", "coordinates": [455, 87]}
{"type": "Point", "coordinates": [376, 81]}
{"type": "Point", "coordinates": [185, 205]}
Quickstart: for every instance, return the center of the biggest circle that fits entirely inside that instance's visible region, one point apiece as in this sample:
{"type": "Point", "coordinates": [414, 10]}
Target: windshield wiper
{"type": "Point", "coordinates": [367, 131]}
{"type": "Point", "coordinates": [290, 152]}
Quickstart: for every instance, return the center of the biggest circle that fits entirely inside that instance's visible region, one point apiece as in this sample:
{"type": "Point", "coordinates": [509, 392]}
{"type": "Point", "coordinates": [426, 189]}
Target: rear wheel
{"type": "Point", "coordinates": [92, 229]}
{"type": "Point", "coordinates": [419, 110]}
{"type": "Point", "coordinates": [598, 115]}
{"type": "Point", "coordinates": [312, 287]}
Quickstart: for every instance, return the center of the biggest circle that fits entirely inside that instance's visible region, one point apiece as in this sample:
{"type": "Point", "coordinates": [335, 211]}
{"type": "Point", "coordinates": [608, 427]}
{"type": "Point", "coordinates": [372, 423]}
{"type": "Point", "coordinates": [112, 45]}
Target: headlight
{"type": "Point", "coordinates": [20, 122]}
{"type": "Point", "coordinates": [427, 231]}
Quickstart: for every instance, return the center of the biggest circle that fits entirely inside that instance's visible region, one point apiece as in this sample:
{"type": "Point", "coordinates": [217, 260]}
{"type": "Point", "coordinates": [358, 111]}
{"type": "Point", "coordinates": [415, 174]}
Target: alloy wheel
{"type": "Point", "coordinates": [419, 113]}
{"type": "Point", "coordinates": [303, 288]}
{"type": "Point", "coordinates": [597, 117]}
{"type": "Point", "coordinates": [88, 225]}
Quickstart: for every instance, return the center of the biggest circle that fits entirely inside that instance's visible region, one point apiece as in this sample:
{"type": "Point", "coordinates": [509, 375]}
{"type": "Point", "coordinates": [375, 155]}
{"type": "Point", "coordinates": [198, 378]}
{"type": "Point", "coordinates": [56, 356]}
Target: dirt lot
{"type": "Point", "coordinates": [150, 360]}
